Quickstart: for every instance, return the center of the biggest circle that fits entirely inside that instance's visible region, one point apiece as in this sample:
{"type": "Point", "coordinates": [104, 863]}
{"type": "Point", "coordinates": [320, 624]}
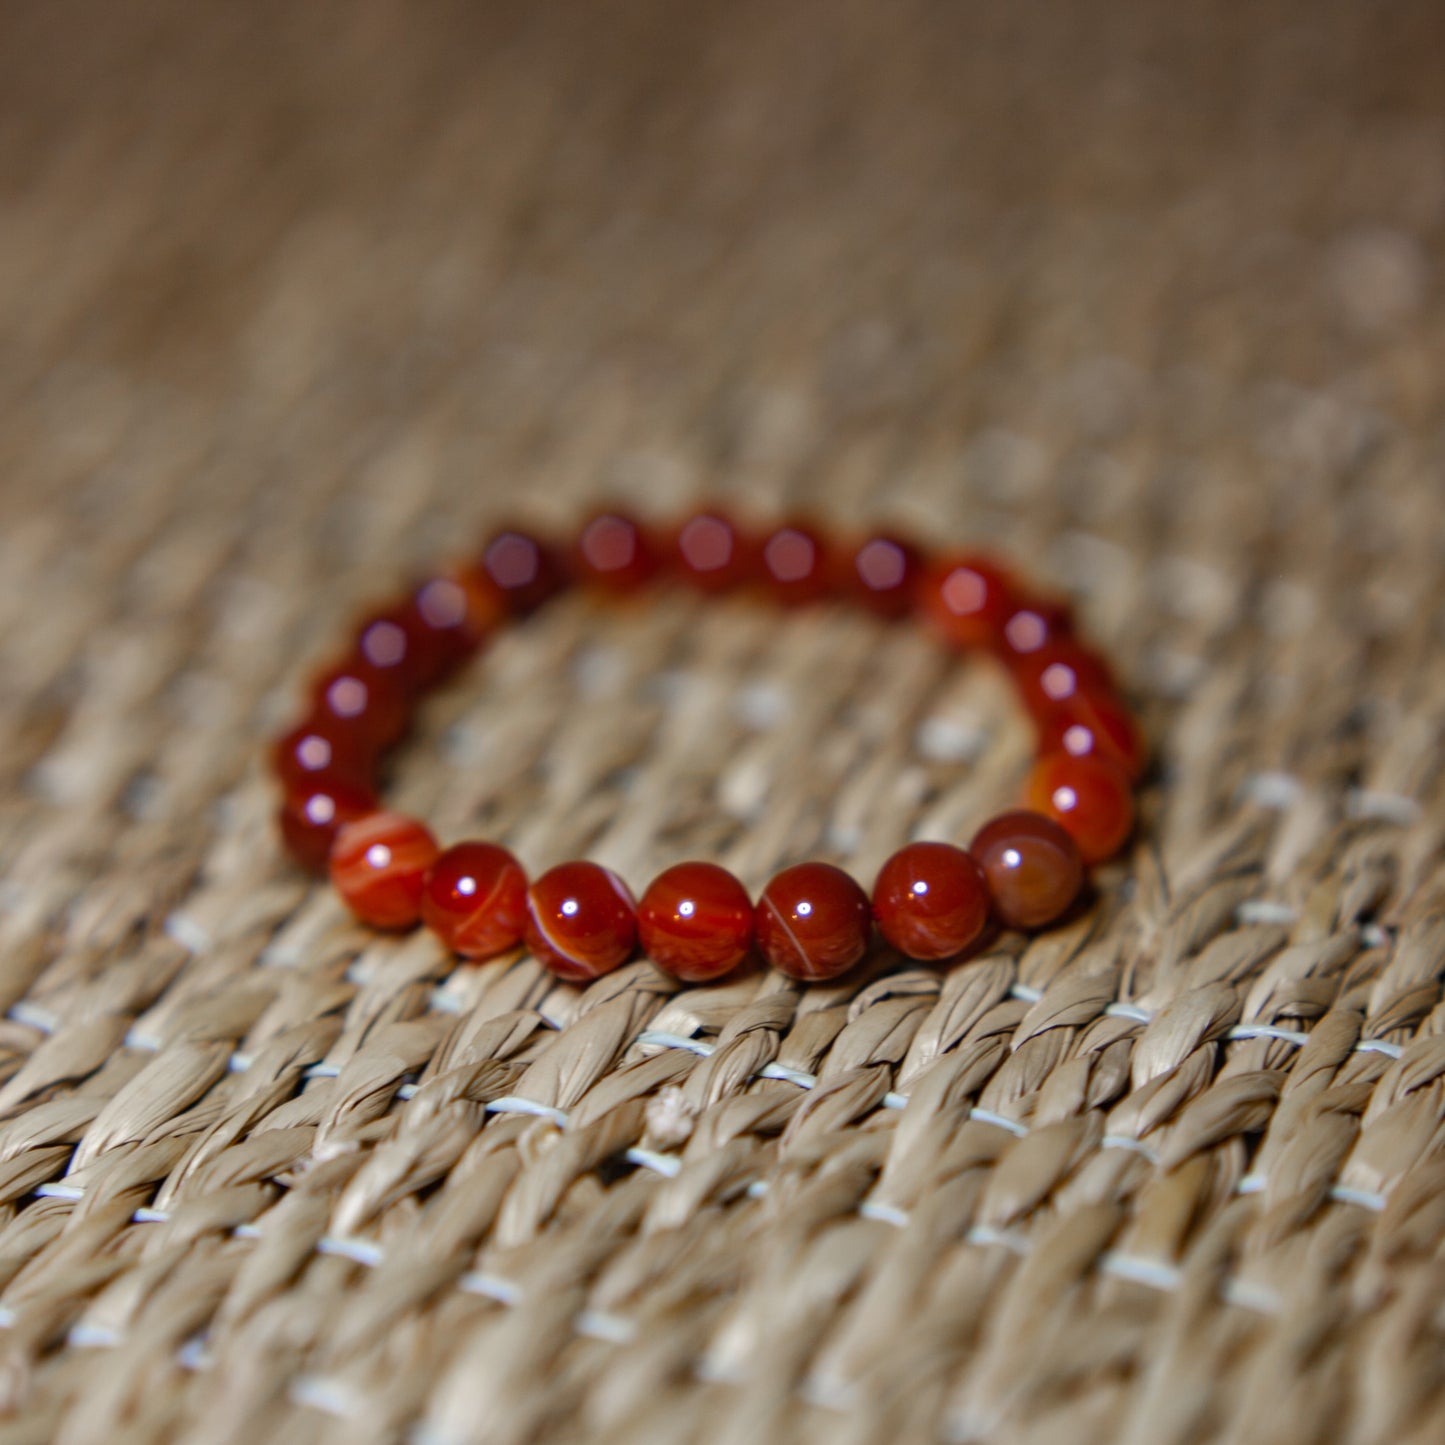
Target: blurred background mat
{"type": "Point", "coordinates": [295, 298]}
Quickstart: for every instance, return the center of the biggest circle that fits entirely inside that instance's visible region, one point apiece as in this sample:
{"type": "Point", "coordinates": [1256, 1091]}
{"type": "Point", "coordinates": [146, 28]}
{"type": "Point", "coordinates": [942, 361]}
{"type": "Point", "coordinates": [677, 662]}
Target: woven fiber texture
{"type": "Point", "coordinates": [296, 299]}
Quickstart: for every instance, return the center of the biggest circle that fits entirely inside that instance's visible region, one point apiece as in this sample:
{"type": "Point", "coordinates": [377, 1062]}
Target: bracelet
{"type": "Point", "coordinates": [931, 901]}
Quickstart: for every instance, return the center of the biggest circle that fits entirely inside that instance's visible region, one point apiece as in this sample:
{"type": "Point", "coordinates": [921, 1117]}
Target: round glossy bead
{"type": "Point", "coordinates": [321, 747]}
{"type": "Point", "coordinates": [712, 553]}
{"type": "Point", "coordinates": [1033, 868]}
{"type": "Point", "coordinates": [884, 575]}
{"type": "Point", "coordinates": [931, 900]}
{"type": "Point", "coordinates": [312, 814]}
{"type": "Point", "coordinates": [375, 707]}
{"type": "Point", "coordinates": [378, 866]}
{"type": "Point", "coordinates": [1032, 624]}
{"type": "Point", "coordinates": [458, 611]}
{"type": "Point", "coordinates": [795, 565]}
{"type": "Point", "coordinates": [1094, 723]}
{"type": "Point", "coordinates": [1089, 797]}
{"type": "Point", "coordinates": [475, 899]}
{"type": "Point", "coordinates": [696, 921]}
{"type": "Point", "coordinates": [614, 552]}
{"type": "Point", "coordinates": [813, 921]}
{"type": "Point", "coordinates": [967, 600]}
{"type": "Point", "coordinates": [524, 569]}
{"type": "Point", "coordinates": [398, 643]}
{"type": "Point", "coordinates": [581, 921]}
{"type": "Point", "coordinates": [1059, 672]}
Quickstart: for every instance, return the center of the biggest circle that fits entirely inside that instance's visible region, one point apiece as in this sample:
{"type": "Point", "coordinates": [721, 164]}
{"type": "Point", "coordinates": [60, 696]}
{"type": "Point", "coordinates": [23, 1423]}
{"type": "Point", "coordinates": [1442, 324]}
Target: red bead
{"type": "Point", "coordinates": [311, 816]}
{"type": "Point", "coordinates": [1089, 797]}
{"type": "Point", "coordinates": [813, 921]}
{"type": "Point", "coordinates": [1033, 868]}
{"type": "Point", "coordinates": [322, 746]}
{"type": "Point", "coordinates": [372, 705]}
{"type": "Point", "coordinates": [378, 866]}
{"type": "Point", "coordinates": [399, 642]}
{"type": "Point", "coordinates": [696, 921]}
{"type": "Point", "coordinates": [1057, 673]}
{"type": "Point", "coordinates": [713, 554]}
{"type": "Point", "coordinates": [884, 575]}
{"type": "Point", "coordinates": [475, 899]}
{"type": "Point", "coordinates": [967, 600]}
{"type": "Point", "coordinates": [795, 565]}
{"type": "Point", "coordinates": [1034, 623]}
{"type": "Point", "coordinates": [459, 611]}
{"type": "Point", "coordinates": [581, 921]}
{"type": "Point", "coordinates": [1094, 722]}
{"type": "Point", "coordinates": [931, 900]}
{"type": "Point", "coordinates": [614, 552]}
{"type": "Point", "coordinates": [524, 569]}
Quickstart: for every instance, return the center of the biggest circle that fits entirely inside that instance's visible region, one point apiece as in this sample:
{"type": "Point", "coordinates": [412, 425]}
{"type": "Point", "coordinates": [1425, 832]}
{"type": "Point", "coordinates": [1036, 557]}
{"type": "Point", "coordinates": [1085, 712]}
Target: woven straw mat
{"type": "Point", "coordinates": [295, 300]}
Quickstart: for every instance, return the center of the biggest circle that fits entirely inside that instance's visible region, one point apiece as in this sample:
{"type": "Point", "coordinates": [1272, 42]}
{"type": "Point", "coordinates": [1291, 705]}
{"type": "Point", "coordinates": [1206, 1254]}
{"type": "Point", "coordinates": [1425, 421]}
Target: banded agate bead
{"type": "Point", "coordinates": [713, 553]}
{"type": "Point", "coordinates": [813, 921]}
{"type": "Point", "coordinates": [1033, 868]}
{"type": "Point", "coordinates": [581, 920]}
{"type": "Point", "coordinates": [614, 552]}
{"type": "Point", "coordinates": [475, 899]}
{"type": "Point", "coordinates": [1089, 797]}
{"type": "Point", "coordinates": [795, 565]}
{"type": "Point", "coordinates": [967, 600]}
{"type": "Point", "coordinates": [1092, 723]}
{"type": "Point", "coordinates": [379, 865]}
{"type": "Point", "coordinates": [525, 570]}
{"type": "Point", "coordinates": [312, 814]}
{"type": "Point", "coordinates": [885, 573]}
{"type": "Point", "coordinates": [931, 900]}
{"type": "Point", "coordinates": [695, 921]}
{"type": "Point", "coordinates": [372, 705]}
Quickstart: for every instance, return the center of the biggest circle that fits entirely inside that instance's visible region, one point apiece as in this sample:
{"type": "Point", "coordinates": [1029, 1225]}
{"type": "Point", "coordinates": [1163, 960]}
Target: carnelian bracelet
{"type": "Point", "coordinates": [812, 921]}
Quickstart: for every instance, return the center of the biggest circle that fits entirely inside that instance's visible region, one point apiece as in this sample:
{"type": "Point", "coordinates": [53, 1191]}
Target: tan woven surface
{"type": "Point", "coordinates": [293, 298]}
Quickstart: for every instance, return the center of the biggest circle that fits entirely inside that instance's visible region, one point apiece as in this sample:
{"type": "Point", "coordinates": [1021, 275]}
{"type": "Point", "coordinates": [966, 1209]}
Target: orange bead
{"type": "Point", "coordinates": [475, 899]}
{"type": "Point", "coordinates": [931, 900]}
{"type": "Point", "coordinates": [713, 553]}
{"type": "Point", "coordinates": [314, 812]}
{"type": "Point", "coordinates": [615, 553]}
{"type": "Point", "coordinates": [967, 600]}
{"type": "Point", "coordinates": [1033, 868]}
{"type": "Point", "coordinates": [813, 921]}
{"type": "Point", "coordinates": [1089, 797]}
{"type": "Point", "coordinates": [1056, 674]}
{"type": "Point", "coordinates": [696, 921]}
{"type": "Point", "coordinates": [795, 565]}
{"type": "Point", "coordinates": [1094, 722]}
{"type": "Point", "coordinates": [581, 921]}
{"type": "Point", "coordinates": [378, 866]}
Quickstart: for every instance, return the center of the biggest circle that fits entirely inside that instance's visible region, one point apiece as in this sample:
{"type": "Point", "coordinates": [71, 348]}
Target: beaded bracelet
{"type": "Point", "coordinates": [812, 921]}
